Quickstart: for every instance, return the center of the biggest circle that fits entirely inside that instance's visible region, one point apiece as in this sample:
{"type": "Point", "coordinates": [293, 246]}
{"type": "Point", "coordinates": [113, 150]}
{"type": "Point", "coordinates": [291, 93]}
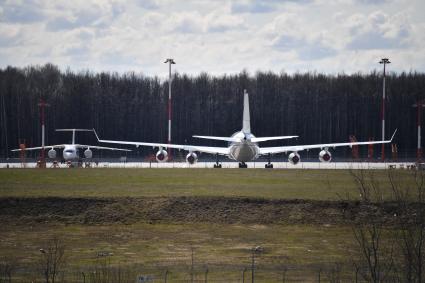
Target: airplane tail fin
{"type": "Point", "coordinates": [246, 121]}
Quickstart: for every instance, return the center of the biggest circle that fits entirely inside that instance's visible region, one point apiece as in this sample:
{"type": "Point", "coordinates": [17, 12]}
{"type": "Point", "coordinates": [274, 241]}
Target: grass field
{"type": "Point", "coordinates": [153, 247]}
{"type": "Point", "coordinates": [270, 184]}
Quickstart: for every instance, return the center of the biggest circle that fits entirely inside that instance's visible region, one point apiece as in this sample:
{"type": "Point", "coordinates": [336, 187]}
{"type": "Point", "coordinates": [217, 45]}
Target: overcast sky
{"type": "Point", "coordinates": [221, 36]}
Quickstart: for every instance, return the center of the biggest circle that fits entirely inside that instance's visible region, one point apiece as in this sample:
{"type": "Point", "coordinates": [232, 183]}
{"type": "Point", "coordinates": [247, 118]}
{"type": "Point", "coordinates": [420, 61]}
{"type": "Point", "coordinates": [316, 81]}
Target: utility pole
{"type": "Point", "coordinates": [170, 61]}
{"type": "Point", "coordinates": [383, 61]}
{"type": "Point", "coordinates": [42, 104]}
{"type": "Point", "coordinates": [419, 106]}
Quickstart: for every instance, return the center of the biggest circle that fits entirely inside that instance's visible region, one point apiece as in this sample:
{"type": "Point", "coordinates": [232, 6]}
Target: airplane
{"type": "Point", "coordinates": [70, 151]}
{"type": "Point", "coordinates": [243, 145]}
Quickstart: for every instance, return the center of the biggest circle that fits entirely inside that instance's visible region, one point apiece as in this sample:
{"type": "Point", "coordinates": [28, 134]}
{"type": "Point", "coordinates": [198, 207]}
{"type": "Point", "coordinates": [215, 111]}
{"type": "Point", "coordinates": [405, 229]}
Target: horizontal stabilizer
{"type": "Point", "coordinates": [227, 139]}
{"type": "Point", "coordinates": [74, 130]}
{"type": "Point", "coordinates": [263, 139]}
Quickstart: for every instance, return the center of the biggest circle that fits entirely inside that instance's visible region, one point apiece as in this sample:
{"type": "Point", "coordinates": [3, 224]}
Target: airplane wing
{"type": "Point", "coordinates": [279, 149]}
{"type": "Point", "coordinates": [100, 147]}
{"type": "Point", "coordinates": [206, 149]}
{"type": "Point", "coordinates": [40, 147]}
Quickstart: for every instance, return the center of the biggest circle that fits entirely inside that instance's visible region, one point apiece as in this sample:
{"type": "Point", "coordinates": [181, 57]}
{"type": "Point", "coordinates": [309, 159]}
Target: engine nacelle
{"type": "Point", "coordinates": [161, 155]}
{"type": "Point", "coordinates": [294, 158]}
{"type": "Point", "coordinates": [191, 158]}
{"type": "Point", "coordinates": [325, 156]}
{"type": "Point", "coordinates": [51, 153]}
{"type": "Point", "coordinates": [88, 153]}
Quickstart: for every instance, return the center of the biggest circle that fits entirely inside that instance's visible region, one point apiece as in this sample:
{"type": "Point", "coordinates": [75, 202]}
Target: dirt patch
{"type": "Point", "coordinates": [194, 209]}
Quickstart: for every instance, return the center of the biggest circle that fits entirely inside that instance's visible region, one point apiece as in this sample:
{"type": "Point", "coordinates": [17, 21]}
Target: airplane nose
{"type": "Point", "coordinates": [68, 155]}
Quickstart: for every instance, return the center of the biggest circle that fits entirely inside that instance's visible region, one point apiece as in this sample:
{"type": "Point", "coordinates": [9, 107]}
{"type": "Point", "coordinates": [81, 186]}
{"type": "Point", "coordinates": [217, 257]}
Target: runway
{"type": "Point", "coordinates": [226, 165]}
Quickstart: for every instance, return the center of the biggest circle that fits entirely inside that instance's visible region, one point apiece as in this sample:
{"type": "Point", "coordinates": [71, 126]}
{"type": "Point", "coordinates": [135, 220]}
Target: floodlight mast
{"type": "Point", "coordinates": [170, 61]}
{"type": "Point", "coordinates": [383, 61]}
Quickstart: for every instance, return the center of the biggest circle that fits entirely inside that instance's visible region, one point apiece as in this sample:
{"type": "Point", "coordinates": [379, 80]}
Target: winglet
{"type": "Point", "coordinates": [94, 131]}
{"type": "Point", "coordinates": [393, 135]}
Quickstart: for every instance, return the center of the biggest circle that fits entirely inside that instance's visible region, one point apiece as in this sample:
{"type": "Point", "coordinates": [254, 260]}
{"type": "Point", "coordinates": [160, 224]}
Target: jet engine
{"type": "Point", "coordinates": [325, 156]}
{"type": "Point", "coordinates": [191, 158]}
{"type": "Point", "coordinates": [294, 158]}
{"type": "Point", "coordinates": [52, 153]}
{"type": "Point", "coordinates": [88, 153]}
{"type": "Point", "coordinates": [161, 155]}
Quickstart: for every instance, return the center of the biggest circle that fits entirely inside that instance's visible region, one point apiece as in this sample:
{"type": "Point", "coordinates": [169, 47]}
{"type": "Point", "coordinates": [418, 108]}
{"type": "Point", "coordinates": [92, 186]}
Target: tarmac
{"type": "Point", "coordinates": [251, 165]}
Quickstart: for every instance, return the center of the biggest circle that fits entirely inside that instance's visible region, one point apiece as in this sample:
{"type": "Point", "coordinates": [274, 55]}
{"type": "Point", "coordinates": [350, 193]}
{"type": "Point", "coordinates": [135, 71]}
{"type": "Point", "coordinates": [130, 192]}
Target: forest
{"type": "Point", "coordinates": [319, 108]}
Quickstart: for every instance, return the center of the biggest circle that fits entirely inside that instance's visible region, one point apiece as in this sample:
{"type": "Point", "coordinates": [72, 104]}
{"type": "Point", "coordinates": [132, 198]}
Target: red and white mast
{"type": "Point", "coordinates": [42, 106]}
{"type": "Point", "coordinates": [419, 105]}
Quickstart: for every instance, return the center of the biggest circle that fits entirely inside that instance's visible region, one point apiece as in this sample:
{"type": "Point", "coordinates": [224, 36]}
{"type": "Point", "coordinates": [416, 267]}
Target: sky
{"type": "Point", "coordinates": [214, 36]}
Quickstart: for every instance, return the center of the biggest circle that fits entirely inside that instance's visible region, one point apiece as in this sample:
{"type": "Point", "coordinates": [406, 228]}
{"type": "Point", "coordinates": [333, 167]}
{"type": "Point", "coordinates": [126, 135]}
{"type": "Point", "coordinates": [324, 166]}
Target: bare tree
{"type": "Point", "coordinates": [7, 267]}
{"type": "Point", "coordinates": [333, 273]}
{"type": "Point", "coordinates": [375, 261]}
{"type": "Point", "coordinates": [52, 260]}
{"type": "Point", "coordinates": [409, 196]}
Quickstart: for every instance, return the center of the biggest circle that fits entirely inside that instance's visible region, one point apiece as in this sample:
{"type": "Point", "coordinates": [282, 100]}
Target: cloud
{"type": "Point", "coordinates": [372, 2]}
{"type": "Point", "coordinates": [377, 40]}
{"type": "Point", "coordinates": [378, 31]}
{"type": "Point", "coordinates": [149, 4]}
{"type": "Point", "coordinates": [9, 35]}
{"type": "Point", "coordinates": [220, 22]}
{"type": "Point", "coordinates": [194, 22]}
{"type": "Point", "coordinates": [117, 58]}
{"type": "Point", "coordinates": [215, 36]}
{"type": "Point", "coordinates": [91, 14]}
{"type": "Point", "coordinates": [260, 7]}
{"type": "Point", "coordinates": [28, 12]}
{"type": "Point", "coordinates": [304, 49]}
{"type": "Point", "coordinates": [252, 7]}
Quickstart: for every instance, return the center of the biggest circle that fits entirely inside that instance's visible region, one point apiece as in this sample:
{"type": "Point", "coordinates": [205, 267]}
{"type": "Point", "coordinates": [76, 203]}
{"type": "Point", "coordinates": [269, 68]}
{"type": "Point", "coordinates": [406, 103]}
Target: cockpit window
{"type": "Point", "coordinates": [69, 151]}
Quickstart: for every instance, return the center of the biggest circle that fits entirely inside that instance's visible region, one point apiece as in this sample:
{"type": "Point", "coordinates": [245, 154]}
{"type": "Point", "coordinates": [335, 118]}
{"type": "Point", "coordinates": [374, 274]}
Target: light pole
{"type": "Point", "coordinates": [383, 61]}
{"type": "Point", "coordinates": [170, 61]}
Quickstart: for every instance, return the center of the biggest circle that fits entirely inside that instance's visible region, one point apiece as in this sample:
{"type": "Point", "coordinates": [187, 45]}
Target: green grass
{"type": "Point", "coordinates": [151, 248]}
{"type": "Point", "coordinates": [226, 249]}
{"type": "Point", "coordinates": [256, 183]}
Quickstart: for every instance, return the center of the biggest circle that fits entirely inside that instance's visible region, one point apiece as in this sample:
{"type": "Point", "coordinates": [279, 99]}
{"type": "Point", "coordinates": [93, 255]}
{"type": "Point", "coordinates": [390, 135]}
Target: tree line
{"type": "Point", "coordinates": [319, 108]}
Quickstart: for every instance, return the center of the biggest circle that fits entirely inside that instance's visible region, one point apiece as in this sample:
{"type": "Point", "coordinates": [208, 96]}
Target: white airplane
{"type": "Point", "coordinates": [243, 146]}
{"type": "Point", "coordinates": [70, 151]}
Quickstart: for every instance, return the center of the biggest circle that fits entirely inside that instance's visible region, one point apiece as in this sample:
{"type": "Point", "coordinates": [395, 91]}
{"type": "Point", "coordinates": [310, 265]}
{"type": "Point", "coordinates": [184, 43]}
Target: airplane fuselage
{"type": "Point", "coordinates": [70, 152]}
{"type": "Point", "coordinates": [245, 150]}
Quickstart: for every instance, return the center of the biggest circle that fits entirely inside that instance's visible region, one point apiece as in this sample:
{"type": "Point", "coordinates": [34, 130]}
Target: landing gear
{"type": "Point", "coordinates": [243, 165]}
{"type": "Point", "coordinates": [217, 164]}
{"type": "Point", "coordinates": [269, 164]}
{"type": "Point", "coordinates": [55, 164]}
